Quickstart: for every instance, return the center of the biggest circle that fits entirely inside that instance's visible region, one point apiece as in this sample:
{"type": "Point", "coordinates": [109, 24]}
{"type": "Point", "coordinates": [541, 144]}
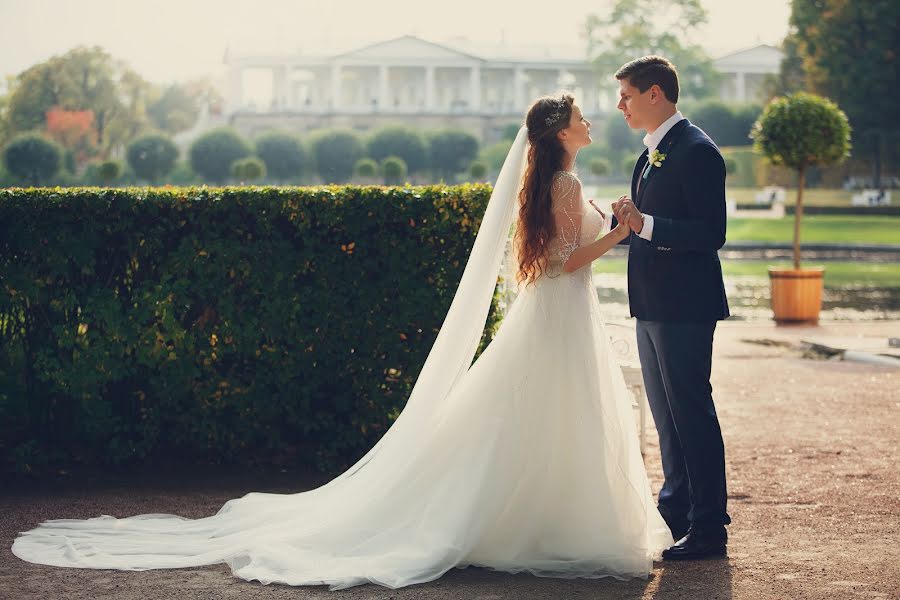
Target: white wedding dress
{"type": "Point", "coordinates": [527, 460]}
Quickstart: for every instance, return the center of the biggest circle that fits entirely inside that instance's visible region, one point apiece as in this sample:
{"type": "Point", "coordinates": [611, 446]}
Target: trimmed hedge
{"type": "Point", "coordinates": [237, 324]}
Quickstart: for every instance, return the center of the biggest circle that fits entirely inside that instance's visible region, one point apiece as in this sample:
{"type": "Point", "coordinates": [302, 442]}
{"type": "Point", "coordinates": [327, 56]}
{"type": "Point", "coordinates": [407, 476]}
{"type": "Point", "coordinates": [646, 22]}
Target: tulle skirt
{"type": "Point", "coordinates": [532, 464]}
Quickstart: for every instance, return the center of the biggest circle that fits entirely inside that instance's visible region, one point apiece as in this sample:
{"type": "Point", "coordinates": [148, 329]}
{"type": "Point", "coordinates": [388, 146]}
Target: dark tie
{"type": "Point", "coordinates": [641, 177]}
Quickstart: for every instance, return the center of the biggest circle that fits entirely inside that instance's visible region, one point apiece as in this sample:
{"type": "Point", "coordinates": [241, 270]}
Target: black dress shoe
{"type": "Point", "coordinates": [698, 544]}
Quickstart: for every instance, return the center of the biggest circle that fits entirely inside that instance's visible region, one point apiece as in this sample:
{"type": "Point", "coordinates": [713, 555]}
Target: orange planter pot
{"type": "Point", "coordinates": [796, 294]}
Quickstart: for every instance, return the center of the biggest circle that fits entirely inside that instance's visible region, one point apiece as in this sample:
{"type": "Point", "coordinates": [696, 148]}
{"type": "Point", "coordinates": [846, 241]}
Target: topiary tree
{"type": "Point", "coordinates": [730, 165]}
{"type": "Point", "coordinates": [451, 151]}
{"type": "Point", "coordinates": [108, 171]}
{"type": "Point", "coordinates": [727, 124]}
{"type": "Point", "coordinates": [213, 153]}
{"type": "Point", "coordinates": [599, 167]}
{"type": "Point", "coordinates": [495, 154]}
{"type": "Point", "coordinates": [283, 154]}
{"type": "Point", "coordinates": [248, 169]}
{"type": "Point", "coordinates": [402, 142]}
{"type": "Point", "coordinates": [394, 170]}
{"type": "Point", "coordinates": [801, 131]}
{"type": "Point", "coordinates": [336, 152]}
{"type": "Point", "coordinates": [477, 170]}
{"type": "Point", "coordinates": [365, 168]}
{"type": "Point", "coordinates": [33, 158]}
{"type": "Point", "coordinates": [152, 157]}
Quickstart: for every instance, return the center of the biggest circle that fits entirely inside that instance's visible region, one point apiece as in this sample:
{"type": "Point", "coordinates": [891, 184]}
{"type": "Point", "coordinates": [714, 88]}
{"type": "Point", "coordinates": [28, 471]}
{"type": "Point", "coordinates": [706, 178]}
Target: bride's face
{"type": "Point", "coordinates": [578, 133]}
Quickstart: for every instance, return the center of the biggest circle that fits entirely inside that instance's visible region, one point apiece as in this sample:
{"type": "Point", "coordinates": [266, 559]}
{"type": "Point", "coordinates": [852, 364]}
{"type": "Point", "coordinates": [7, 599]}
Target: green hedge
{"type": "Point", "coordinates": [276, 325]}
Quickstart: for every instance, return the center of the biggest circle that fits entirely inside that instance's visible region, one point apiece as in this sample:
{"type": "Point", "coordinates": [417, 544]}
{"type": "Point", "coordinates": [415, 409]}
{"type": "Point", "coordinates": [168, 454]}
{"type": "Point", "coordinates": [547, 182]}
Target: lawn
{"type": "Point", "coordinates": [819, 229]}
{"type": "Point", "coordinates": [837, 274]}
{"type": "Point", "coordinates": [811, 197]}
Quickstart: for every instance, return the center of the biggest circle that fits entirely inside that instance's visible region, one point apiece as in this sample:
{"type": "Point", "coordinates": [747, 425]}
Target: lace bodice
{"type": "Point", "coordinates": [577, 222]}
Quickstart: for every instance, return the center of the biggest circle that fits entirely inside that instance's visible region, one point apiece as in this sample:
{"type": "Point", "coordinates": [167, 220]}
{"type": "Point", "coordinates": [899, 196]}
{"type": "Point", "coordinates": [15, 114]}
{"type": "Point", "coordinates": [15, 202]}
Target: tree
{"type": "Point", "coordinates": [74, 131]}
{"type": "Point", "coordinates": [399, 141]}
{"type": "Point", "coordinates": [365, 168]}
{"type": "Point", "coordinates": [477, 170]}
{"type": "Point", "coordinates": [248, 169]}
{"type": "Point", "coordinates": [212, 154]}
{"type": "Point", "coordinates": [283, 154]}
{"type": "Point", "coordinates": [83, 79]}
{"type": "Point", "coordinates": [664, 27]}
{"type": "Point", "coordinates": [394, 170]}
{"type": "Point", "coordinates": [451, 152]}
{"type": "Point", "coordinates": [727, 124]}
{"type": "Point", "coordinates": [32, 158]}
{"type": "Point", "coordinates": [108, 171]}
{"type": "Point", "coordinates": [172, 109]}
{"type": "Point", "coordinates": [599, 167]}
{"type": "Point", "coordinates": [791, 76]}
{"type": "Point", "coordinates": [623, 142]}
{"type": "Point", "coordinates": [849, 53]}
{"type": "Point", "coordinates": [4, 115]}
{"type": "Point", "coordinates": [152, 157]}
{"type": "Point", "coordinates": [336, 152]}
{"type": "Point", "coordinates": [802, 131]}
{"type": "Point", "coordinates": [495, 154]}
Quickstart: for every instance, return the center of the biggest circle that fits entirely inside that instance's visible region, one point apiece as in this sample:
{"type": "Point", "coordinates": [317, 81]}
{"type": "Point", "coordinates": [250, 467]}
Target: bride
{"type": "Point", "coordinates": [526, 460]}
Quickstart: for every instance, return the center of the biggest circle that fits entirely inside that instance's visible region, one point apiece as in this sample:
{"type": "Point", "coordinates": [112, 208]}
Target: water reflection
{"type": "Point", "coordinates": [749, 298]}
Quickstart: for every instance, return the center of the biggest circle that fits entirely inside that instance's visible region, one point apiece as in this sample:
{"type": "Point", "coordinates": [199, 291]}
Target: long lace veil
{"type": "Point", "coordinates": [453, 350]}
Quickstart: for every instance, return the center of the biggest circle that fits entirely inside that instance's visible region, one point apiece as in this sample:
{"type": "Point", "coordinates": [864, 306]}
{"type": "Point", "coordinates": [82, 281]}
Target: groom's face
{"type": "Point", "coordinates": [634, 105]}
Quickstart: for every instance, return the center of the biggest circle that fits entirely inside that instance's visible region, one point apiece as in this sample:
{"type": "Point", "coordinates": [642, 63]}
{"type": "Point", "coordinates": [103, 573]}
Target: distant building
{"type": "Point", "coordinates": [480, 88]}
{"type": "Point", "coordinates": [408, 80]}
{"type": "Point", "coordinates": [745, 71]}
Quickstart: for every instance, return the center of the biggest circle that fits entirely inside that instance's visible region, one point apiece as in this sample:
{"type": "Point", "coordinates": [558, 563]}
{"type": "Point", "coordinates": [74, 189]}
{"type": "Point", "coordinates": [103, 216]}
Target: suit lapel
{"type": "Point", "coordinates": [636, 175]}
{"type": "Point", "coordinates": [664, 146]}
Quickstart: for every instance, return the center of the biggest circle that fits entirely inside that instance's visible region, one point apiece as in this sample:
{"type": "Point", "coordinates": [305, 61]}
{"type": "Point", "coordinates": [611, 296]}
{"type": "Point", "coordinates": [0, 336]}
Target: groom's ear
{"type": "Point", "coordinates": [656, 94]}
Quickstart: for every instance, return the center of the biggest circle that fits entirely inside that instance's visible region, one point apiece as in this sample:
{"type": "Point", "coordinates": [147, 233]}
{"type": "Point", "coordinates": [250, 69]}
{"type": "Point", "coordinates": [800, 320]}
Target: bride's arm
{"type": "Point", "coordinates": [588, 254]}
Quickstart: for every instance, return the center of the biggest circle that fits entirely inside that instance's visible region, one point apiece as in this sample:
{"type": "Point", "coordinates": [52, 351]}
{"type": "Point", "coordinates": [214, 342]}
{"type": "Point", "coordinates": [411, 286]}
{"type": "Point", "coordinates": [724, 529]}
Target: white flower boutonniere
{"type": "Point", "coordinates": [657, 158]}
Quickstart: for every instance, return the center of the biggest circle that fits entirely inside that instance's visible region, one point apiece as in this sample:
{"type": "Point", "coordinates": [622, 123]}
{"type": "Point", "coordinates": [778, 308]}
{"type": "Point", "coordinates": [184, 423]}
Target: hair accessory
{"type": "Point", "coordinates": [557, 114]}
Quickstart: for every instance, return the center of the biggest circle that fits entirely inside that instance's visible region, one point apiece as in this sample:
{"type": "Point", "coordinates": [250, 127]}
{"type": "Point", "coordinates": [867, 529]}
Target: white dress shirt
{"type": "Point", "coordinates": [652, 140]}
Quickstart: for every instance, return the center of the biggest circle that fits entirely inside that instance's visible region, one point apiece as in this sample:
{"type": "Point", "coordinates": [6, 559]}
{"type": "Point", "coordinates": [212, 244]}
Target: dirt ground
{"type": "Point", "coordinates": [811, 448]}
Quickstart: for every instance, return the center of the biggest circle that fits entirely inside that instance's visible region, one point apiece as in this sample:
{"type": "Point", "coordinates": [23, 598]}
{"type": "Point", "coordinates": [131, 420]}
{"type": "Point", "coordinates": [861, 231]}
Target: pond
{"type": "Point", "coordinates": [749, 297]}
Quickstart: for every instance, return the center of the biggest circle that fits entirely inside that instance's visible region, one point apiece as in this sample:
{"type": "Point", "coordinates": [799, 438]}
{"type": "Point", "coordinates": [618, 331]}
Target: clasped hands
{"type": "Point", "coordinates": [627, 214]}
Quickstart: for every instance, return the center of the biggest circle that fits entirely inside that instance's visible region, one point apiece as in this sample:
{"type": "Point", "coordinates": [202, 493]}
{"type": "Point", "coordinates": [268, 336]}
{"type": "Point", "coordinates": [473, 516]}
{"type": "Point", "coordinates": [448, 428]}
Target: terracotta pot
{"type": "Point", "coordinates": [796, 294]}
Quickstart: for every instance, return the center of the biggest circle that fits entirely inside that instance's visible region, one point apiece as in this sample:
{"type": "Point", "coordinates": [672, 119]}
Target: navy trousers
{"type": "Point", "coordinates": [676, 359]}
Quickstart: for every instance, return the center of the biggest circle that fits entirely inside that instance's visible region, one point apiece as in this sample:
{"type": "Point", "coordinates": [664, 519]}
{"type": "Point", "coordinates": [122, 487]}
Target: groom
{"type": "Point", "coordinates": [676, 293]}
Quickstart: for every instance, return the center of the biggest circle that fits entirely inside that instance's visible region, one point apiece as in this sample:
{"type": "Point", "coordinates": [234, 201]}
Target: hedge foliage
{"type": "Point", "coordinates": [248, 324]}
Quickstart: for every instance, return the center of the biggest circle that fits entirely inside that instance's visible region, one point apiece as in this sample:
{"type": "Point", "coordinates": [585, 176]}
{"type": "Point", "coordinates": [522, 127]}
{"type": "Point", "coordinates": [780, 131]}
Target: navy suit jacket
{"type": "Point", "coordinates": [677, 275]}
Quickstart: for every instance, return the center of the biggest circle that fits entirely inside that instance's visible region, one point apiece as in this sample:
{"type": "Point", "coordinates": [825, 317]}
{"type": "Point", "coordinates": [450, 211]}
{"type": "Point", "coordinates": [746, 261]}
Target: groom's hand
{"type": "Point", "coordinates": [626, 211]}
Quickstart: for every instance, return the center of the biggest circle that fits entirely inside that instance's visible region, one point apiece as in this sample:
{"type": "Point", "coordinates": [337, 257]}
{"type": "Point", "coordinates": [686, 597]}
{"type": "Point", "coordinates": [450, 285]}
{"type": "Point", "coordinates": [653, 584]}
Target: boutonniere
{"type": "Point", "coordinates": [655, 159]}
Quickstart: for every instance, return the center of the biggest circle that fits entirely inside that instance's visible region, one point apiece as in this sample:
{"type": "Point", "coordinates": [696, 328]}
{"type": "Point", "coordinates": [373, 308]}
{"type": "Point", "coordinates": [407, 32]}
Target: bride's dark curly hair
{"type": "Point", "coordinates": [535, 228]}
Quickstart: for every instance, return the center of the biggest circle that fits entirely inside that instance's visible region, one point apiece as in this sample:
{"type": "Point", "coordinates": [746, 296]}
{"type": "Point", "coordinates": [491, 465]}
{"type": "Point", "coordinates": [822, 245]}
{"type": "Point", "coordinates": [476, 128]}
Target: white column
{"type": "Point", "coordinates": [475, 88]}
{"type": "Point", "coordinates": [234, 89]}
{"type": "Point", "coordinates": [519, 89]}
{"type": "Point", "coordinates": [335, 86]}
{"type": "Point", "coordinates": [384, 89]}
{"type": "Point", "coordinates": [741, 87]}
{"type": "Point", "coordinates": [279, 88]}
{"type": "Point", "coordinates": [430, 89]}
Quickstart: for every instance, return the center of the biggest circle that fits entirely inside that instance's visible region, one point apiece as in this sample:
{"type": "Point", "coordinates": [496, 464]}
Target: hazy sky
{"type": "Point", "coordinates": [175, 40]}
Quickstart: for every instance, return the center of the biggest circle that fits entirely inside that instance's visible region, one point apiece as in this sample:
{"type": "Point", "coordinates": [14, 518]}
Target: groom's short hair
{"type": "Point", "coordinates": [646, 71]}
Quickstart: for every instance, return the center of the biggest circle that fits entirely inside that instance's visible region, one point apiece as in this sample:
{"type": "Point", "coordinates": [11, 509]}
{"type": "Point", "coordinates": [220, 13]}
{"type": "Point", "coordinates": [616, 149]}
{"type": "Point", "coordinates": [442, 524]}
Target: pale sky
{"type": "Point", "coordinates": [176, 40]}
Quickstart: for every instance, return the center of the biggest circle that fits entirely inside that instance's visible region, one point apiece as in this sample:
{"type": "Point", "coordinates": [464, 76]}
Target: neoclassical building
{"type": "Point", "coordinates": [408, 80]}
{"type": "Point", "coordinates": [427, 85]}
{"type": "Point", "coordinates": [744, 72]}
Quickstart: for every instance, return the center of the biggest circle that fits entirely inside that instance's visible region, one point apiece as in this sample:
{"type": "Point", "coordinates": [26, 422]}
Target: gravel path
{"type": "Point", "coordinates": [813, 485]}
